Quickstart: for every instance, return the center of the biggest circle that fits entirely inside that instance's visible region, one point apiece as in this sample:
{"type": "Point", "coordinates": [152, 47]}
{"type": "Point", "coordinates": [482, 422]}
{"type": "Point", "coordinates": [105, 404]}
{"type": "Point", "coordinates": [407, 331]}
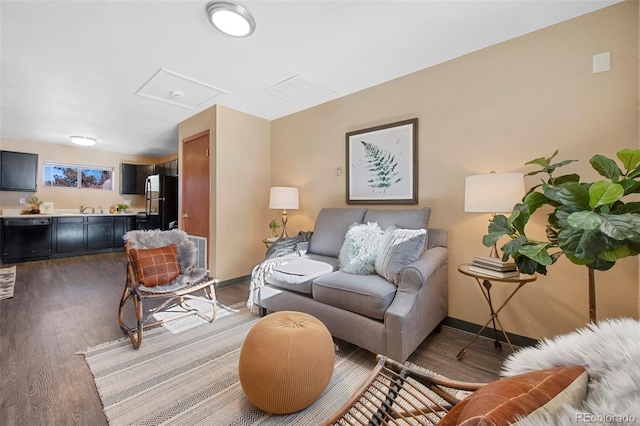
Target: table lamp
{"type": "Point", "coordinates": [493, 193]}
{"type": "Point", "coordinates": [282, 197]}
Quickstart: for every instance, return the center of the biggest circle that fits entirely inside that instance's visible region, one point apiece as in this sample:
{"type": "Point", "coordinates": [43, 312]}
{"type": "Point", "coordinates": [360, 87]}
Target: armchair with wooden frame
{"type": "Point", "coordinates": [163, 282]}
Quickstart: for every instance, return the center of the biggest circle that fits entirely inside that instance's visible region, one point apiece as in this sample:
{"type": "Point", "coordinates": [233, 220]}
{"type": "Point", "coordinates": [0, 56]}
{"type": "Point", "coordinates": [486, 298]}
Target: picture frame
{"type": "Point", "coordinates": [382, 164]}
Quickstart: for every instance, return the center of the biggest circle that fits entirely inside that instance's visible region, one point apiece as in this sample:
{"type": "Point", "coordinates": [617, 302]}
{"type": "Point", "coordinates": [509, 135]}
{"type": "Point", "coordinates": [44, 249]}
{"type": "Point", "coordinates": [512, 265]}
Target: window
{"type": "Point", "coordinates": [75, 176]}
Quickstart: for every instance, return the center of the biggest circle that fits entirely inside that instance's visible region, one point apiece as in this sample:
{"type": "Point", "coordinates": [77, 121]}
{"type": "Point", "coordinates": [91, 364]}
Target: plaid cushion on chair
{"type": "Point", "coordinates": [156, 266]}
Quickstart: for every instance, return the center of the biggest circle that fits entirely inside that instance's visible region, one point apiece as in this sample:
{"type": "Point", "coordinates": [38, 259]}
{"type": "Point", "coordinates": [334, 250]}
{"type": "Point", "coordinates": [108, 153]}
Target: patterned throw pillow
{"type": "Point", "coordinates": [358, 252]}
{"type": "Point", "coordinates": [156, 266]}
{"type": "Point", "coordinates": [398, 248]}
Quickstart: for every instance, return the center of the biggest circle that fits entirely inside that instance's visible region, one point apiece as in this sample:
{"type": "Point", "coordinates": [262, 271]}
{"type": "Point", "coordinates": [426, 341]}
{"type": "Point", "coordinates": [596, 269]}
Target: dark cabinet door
{"type": "Point", "coordinates": [142, 173]}
{"type": "Point", "coordinates": [173, 168]}
{"type": "Point", "coordinates": [133, 177]}
{"type": "Point", "coordinates": [128, 178]}
{"type": "Point", "coordinates": [69, 235]}
{"type": "Point", "coordinates": [18, 171]}
{"type": "Point", "coordinates": [99, 234]}
{"type": "Point", "coordinates": [122, 225]}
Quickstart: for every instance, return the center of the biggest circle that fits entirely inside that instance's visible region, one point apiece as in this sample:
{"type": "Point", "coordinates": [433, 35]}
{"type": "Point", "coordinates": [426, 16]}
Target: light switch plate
{"type": "Point", "coordinates": [22, 201]}
{"type": "Point", "coordinates": [601, 62]}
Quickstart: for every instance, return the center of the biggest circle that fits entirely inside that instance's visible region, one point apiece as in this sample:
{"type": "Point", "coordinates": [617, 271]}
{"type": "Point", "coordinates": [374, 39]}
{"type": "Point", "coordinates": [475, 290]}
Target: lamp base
{"type": "Point", "coordinates": [284, 225]}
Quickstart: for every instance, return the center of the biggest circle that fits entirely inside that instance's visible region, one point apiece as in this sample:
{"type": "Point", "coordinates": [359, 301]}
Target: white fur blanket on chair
{"type": "Point", "coordinates": [610, 352]}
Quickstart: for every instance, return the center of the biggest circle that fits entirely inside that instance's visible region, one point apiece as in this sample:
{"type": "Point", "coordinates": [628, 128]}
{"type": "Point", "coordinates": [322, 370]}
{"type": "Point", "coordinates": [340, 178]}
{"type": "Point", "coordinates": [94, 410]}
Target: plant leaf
{"type": "Point", "coordinates": [611, 255]}
{"type": "Point", "coordinates": [633, 207]}
{"type": "Point", "coordinates": [541, 161]}
{"type": "Point", "coordinates": [513, 246]}
{"type": "Point", "coordinates": [586, 220]}
{"type": "Point", "coordinates": [622, 226]}
{"type": "Point", "coordinates": [634, 174]}
{"type": "Point", "coordinates": [530, 266]}
{"type": "Point", "coordinates": [629, 158]}
{"type": "Point", "coordinates": [601, 264]}
{"type": "Point", "coordinates": [572, 193]}
{"type": "Point", "coordinates": [519, 217]}
{"type": "Point", "coordinates": [606, 167]}
{"type": "Point", "coordinates": [566, 178]}
{"type": "Point", "coordinates": [602, 193]}
{"type": "Point", "coordinates": [581, 244]}
{"type": "Point", "coordinates": [630, 186]}
{"type": "Point", "coordinates": [537, 252]}
{"type": "Point", "coordinates": [535, 200]}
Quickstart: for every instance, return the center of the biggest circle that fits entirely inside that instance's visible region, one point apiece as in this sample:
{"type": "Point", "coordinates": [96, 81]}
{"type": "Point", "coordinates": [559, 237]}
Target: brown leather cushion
{"type": "Point", "coordinates": [156, 266]}
{"type": "Point", "coordinates": [503, 401]}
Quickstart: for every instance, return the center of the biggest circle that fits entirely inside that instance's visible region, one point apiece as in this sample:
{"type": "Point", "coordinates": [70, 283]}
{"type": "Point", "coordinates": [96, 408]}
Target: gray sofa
{"type": "Point", "coordinates": [367, 310]}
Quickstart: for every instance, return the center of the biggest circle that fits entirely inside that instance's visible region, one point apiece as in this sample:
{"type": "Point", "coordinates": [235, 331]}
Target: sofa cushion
{"type": "Point", "coordinates": [330, 228]}
{"type": "Point", "coordinates": [358, 253]}
{"type": "Point", "coordinates": [298, 273]}
{"type": "Point", "coordinates": [407, 219]}
{"type": "Point", "coordinates": [398, 248]}
{"type": "Point", "coordinates": [368, 295]}
{"type": "Point", "coordinates": [507, 400]}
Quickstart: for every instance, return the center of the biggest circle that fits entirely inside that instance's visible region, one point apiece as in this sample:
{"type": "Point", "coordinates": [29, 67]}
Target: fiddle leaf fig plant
{"type": "Point", "coordinates": [591, 223]}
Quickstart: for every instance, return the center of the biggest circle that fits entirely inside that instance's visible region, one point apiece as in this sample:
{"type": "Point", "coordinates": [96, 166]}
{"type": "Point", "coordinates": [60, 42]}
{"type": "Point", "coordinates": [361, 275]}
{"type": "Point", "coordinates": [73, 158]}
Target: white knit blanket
{"type": "Point", "coordinates": [610, 352]}
{"type": "Point", "coordinates": [260, 274]}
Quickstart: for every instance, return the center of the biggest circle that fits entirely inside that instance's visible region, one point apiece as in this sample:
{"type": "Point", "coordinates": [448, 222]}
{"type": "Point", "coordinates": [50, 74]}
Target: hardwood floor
{"type": "Point", "coordinates": [61, 307]}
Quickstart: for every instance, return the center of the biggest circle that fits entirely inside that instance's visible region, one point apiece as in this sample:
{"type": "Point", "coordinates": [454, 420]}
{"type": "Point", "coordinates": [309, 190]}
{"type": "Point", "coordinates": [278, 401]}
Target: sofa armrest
{"type": "Point", "coordinates": [414, 275]}
{"type": "Point", "coordinates": [420, 303]}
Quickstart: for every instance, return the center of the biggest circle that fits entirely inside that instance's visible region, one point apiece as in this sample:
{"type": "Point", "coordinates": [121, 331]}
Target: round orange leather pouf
{"type": "Point", "coordinates": [286, 362]}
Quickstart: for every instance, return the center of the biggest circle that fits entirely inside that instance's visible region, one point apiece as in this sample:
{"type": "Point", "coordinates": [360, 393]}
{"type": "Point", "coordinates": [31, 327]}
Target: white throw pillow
{"type": "Point", "coordinates": [398, 248]}
{"type": "Point", "coordinates": [358, 253]}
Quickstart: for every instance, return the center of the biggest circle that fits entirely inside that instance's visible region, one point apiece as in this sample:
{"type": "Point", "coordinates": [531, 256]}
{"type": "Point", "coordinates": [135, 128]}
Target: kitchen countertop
{"type": "Point", "coordinates": [15, 213]}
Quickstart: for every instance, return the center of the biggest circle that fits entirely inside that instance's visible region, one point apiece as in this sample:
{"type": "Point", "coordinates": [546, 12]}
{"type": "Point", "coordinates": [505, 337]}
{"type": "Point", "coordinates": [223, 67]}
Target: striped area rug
{"type": "Point", "coordinates": [7, 282]}
{"type": "Point", "coordinates": [191, 378]}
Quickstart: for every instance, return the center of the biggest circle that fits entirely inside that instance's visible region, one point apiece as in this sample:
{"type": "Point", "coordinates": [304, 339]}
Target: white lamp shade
{"type": "Point", "coordinates": [493, 192]}
{"type": "Point", "coordinates": [283, 198]}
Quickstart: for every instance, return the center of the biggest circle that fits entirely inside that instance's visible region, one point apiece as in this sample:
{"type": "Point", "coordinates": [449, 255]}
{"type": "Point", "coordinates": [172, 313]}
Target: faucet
{"type": "Point", "coordinates": [83, 208]}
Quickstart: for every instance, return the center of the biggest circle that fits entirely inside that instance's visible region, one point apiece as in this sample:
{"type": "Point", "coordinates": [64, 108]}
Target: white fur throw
{"type": "Point", "coordinates": [610, 352]}
{"type": "Point", "coordinates": [187, 255]}
{"type": "Point", "coordinates": [358, 252]}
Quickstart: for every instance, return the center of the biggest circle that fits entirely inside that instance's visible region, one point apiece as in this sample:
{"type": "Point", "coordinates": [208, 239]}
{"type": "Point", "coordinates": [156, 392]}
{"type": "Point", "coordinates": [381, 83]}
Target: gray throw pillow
{"type": "Point", "coordinates": [358, 253]}
{"type": "Point", "coordinates": [398, 248]}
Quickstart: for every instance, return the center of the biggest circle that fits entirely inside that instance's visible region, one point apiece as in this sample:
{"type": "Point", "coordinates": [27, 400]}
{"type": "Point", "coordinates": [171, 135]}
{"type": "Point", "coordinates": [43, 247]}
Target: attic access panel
{"type": "Point", "coordinates": [176, 89]}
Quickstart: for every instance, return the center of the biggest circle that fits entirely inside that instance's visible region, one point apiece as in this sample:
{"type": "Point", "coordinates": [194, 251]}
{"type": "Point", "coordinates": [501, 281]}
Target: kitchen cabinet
{"type": "Point", "coordinates": [18, 171]}
{"type": "Point", "coordinates": [168, 168]}
{"type": "Point", "coordinates": [99, 234]}
{"type": "Point", "coordinates": [122, 225]}
{"type": "Point", "coordinates": [133, 177]}
{"type": "Point", "coordinates": [69, 235]}
{"type": "Point", "coordinates": [79, 235]}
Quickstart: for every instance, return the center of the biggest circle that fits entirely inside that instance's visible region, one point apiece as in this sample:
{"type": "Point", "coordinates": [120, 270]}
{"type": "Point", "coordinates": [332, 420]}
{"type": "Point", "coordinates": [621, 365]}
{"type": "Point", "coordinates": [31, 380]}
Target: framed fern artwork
{"type": "Point", "coordinates": [382, 164]}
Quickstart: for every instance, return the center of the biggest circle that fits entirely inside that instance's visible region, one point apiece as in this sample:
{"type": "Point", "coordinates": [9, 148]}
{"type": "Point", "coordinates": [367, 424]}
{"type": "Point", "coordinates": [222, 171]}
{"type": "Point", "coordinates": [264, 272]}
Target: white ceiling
{"type": "Point", "coordinates": [74, 67]}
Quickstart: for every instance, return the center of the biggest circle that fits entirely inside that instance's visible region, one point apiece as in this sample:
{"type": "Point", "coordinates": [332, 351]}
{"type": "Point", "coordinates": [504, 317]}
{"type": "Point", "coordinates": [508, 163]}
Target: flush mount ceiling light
{"type": "Point", "coordinates": [230, 18]}
{"type": "Point", "coordinates": [82, 140]}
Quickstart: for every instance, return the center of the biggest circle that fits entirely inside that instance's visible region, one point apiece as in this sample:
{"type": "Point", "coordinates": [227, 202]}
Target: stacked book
{"type": "Point", "coordinates": [494, 267]}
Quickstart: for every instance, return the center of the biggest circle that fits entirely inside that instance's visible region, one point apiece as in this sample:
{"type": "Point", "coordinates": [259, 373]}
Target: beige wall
{"type": "Point", "coordinates": [494, 109]}
{"type": "Point", "coordinates": [240, 171]}
{"type": "Point", "coordinates": [243, 171]}
{"type": "Point", "coordinates": [71, 198]}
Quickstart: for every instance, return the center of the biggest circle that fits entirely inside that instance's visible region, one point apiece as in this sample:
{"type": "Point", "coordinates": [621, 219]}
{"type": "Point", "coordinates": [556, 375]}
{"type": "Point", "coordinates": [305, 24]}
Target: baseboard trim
{"type": "Point", "coordinates": [233, 281]}
{"type": "Point", "coordinates": [470, 327]}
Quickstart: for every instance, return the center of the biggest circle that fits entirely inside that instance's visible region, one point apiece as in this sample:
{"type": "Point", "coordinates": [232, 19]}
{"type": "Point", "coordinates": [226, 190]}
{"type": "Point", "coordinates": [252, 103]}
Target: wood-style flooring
{"type": "Point", "coordinates": [61, 307]}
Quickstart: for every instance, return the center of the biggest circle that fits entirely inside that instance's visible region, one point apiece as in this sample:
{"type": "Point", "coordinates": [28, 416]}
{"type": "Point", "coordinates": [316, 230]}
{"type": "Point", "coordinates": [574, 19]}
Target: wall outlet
{"type": "Point", "coordinates": [23, 201]}
{"type": "Point", "coordinates": [127, 202]}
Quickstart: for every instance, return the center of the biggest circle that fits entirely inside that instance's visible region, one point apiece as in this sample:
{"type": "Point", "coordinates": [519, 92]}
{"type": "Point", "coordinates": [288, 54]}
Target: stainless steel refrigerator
{"type": "Point", "coordinates": [161, 203]}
